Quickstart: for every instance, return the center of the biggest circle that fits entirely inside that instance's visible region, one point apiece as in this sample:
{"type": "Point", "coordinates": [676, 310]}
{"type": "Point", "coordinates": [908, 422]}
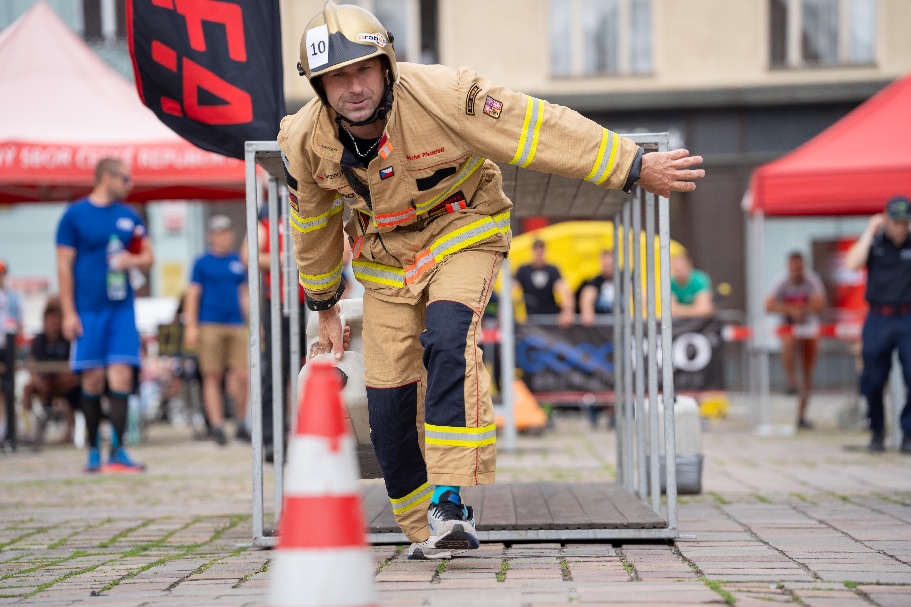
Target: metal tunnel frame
{"type": "Point", "coordinates": [637, 355]}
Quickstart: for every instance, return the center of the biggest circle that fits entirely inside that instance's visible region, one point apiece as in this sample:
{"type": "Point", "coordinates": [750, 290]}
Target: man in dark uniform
{"type": "Point", "coordinates": [885, 248]}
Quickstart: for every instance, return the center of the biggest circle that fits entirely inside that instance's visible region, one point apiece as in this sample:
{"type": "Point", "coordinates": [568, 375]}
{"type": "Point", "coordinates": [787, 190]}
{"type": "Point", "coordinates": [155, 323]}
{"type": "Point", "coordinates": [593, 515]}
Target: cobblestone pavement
{"type": "Point", "coordinates": [783, 520]}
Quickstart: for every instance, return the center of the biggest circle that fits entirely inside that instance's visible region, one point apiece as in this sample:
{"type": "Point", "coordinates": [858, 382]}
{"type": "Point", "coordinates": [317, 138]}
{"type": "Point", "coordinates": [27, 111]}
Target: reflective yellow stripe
{"type": "Point", "coordinates": [369, 271]}
{"type": "Point", "coordinates": [531, 128]}
{"type": "Point", "coordinates": [602, 168]}
{"type": "Point", "coordinates": [419, 495]}
{"type": "Point", "coordinates": [604, 136]}
{"type": "Point", "coordinates": [452, 242]}
{"type": "Point", "coordinates": [460, 436]}
{"type": "Point", "coordinates": [534, 140]}
{"type": "Point", "coordinates": [524, 136]}
{"type": "Point", "coordinates": [319, 282]}
{"type": "Point", "coordinates": [610, 161]}
{"type": "Point", "coordinates": [471, 165]}
{"type": "Point", "coordinates": [309, 224]}
{"type": "Point", "coordinates": [502, 221]}
{"type": "Point", "coordinates": [461, 238]}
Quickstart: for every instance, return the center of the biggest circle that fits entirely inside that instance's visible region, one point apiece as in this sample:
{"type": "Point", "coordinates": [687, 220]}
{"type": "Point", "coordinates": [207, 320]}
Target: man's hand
{"type": "Point", "coordinates": [191, 335]}
{"type": "Point", "coordinates": [565, 318]}
{"type": "Point", "coordinates": [332, 338]}
{"type": "Point", "coordinates": [666, 172]}
{"type": "Point", "coordinates": [875, 224]}
{"type": "Point", "coordinates": [72, 326]}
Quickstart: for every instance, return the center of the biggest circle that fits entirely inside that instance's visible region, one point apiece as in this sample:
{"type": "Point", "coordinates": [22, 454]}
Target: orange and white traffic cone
{"type": "Point", "coordinates": [322, 557]}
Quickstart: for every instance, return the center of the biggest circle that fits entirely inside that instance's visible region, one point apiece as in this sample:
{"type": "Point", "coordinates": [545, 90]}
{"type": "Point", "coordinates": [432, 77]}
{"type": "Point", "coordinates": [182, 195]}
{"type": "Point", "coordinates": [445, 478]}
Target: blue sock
{"type": "Point", "coordinates": [439, 490]}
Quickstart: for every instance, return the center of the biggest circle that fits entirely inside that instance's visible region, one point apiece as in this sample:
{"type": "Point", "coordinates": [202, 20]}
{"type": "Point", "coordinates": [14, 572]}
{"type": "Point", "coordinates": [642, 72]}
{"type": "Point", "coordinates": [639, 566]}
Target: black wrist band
{"type": "Point", "coordinates": [317, 305]}
{"type": "Point", "coordinates": [634, 172]}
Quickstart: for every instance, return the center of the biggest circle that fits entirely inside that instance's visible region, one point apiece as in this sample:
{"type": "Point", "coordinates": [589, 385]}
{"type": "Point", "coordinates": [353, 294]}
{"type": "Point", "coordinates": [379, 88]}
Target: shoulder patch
{"type": "Point", "coordinates": [469, 99]}
{"type": "Point", "coordinates": [293, 200]}
{"type": "Point", "coordinates": [492, 107]}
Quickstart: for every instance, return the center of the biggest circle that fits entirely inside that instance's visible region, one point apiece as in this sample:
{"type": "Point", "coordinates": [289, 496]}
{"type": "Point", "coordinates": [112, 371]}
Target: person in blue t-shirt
{"type": "Point", "coordinates": [216, 311]}
{"type": "Point", "coordinates": [99, 240]}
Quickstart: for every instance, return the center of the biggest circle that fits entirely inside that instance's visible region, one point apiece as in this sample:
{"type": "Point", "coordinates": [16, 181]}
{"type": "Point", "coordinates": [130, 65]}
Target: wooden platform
{"type": "Point", "coordinates": [537, 511]}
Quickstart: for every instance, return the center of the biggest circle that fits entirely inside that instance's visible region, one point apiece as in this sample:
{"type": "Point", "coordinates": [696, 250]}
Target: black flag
{"type": "Point", "coordinates": [210, 69]}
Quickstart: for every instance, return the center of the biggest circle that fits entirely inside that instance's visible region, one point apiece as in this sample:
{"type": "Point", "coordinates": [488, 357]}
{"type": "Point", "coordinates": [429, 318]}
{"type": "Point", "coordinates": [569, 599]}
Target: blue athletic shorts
{"type": "Point", "coordinates": [108, 337]}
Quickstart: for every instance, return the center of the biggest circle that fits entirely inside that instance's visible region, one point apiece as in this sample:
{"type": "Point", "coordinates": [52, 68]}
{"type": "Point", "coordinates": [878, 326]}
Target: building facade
{"type": "Point", "coordinates": [740, 82]}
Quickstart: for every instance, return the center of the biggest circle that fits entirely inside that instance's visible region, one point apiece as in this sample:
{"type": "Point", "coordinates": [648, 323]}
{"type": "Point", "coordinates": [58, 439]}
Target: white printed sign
{"type": "Point", "coordinates": [318, 46]}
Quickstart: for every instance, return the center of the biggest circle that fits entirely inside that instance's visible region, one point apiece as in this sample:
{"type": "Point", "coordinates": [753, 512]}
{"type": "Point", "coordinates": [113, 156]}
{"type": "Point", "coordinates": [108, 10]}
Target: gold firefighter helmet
{"type": "Point", "coordinates": [340, 35]}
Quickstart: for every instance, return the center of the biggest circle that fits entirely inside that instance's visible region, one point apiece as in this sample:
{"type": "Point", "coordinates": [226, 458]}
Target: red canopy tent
{"type": "Point", "coordinates": [851, 168]}
{"type": "Point", "coordinates": [62, 108]}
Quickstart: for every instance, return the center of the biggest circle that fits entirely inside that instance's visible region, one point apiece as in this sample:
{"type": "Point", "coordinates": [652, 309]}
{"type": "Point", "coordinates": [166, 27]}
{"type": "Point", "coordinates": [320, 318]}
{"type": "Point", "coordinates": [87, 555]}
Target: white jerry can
{"type": "Point", "coordinates": [354, 392]}
{"type": "Point", "coordinates": [687, 443]}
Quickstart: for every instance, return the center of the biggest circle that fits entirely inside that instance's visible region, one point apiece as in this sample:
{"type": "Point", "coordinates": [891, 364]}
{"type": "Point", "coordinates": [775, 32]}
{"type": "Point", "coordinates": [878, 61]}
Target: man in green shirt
{"type": "Point", "coordinates": [691, 289]}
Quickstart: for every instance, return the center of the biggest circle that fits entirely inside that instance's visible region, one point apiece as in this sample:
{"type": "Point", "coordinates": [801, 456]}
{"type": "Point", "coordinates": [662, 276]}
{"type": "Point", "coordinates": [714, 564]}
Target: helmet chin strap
{"type": "Point", "coordinates": [378, 114]}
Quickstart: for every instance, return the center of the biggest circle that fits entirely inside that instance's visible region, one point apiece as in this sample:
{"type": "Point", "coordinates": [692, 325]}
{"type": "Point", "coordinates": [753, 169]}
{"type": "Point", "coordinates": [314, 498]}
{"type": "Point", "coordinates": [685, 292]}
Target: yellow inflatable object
{"type": "Point", "coordinates": [575, 248]}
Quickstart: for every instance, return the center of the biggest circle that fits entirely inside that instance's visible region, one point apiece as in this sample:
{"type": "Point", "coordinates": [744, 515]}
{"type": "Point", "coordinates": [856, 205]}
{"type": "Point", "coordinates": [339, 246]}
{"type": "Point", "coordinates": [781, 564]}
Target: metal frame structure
{"type": "Point", "coordinates": [637, 355]}
{"type": "Point", "coordinates": [266, 155]}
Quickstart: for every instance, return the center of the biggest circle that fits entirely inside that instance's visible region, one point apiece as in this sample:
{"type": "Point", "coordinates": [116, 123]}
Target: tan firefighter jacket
{"type": "Point", "coordinates": [434, 187]}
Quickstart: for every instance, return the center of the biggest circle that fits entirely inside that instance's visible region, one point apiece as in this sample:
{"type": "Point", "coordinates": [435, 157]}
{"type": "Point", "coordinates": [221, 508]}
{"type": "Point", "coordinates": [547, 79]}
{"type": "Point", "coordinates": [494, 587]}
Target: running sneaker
{"type": "Point", "coordinates": [419, 551]}
{"type": "Point", "coordinates": [218, 434]}
{"type": "Point", "coordinates": [243, 435]}
{"type": "Point", "coordinates": [120, 461]}
{"type": "Point", "coordinates": [452, 523]}
{"type": "Point", "coordinates": [878, 442]}
{"type": "Point", "coordinates": [93, 465]}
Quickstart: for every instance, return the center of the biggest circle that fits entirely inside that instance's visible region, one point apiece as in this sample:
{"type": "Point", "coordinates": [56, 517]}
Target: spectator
{"type": "Point", "coordinates": [540, 281]}
{"type": "Point", "coordinates": [597, 294]}
{"type": "Point", "coordinates": [99, 239]}
{"type": "Point", "coordinates": [799, 297]}
{"type": "Point", "coordinates": [691, 289]}
{"type": "Point", "coordinates": [885, 248]}
{"type": "Point", "coordinates": [51, 377]}
{"type": "Point", "coordinates": [10, 325]}
{"type": "Point", "coordinates": [216, 312]}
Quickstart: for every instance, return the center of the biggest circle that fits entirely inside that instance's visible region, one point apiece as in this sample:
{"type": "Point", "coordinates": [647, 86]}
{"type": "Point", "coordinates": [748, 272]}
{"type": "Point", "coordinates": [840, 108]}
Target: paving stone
{"type": "Point", "coordinates": [167, 521]}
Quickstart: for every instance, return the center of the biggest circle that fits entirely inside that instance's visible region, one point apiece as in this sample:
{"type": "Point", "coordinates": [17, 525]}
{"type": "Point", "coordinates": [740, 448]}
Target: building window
{"type": "Point", "coordinates": [104, 20]}
{"type": "Point", "coordinates": [413, 23]}
{"type": "Point", "coordinates": [600, 37]}
{"type": "Point", "coordinates": [810, 33]}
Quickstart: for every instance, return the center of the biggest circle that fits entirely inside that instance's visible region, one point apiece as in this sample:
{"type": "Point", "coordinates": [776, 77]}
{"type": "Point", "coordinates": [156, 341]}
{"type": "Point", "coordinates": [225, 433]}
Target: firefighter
{"type": "Point", "coordinates": [410, 150]}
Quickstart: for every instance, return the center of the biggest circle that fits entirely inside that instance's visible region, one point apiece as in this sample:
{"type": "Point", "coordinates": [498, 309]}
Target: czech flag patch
{"type": "Point", "coordinates": [386, 173]}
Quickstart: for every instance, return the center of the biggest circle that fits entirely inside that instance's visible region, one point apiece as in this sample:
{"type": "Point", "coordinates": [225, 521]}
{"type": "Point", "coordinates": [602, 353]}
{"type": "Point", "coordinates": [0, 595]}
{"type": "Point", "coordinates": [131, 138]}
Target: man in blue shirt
{"type": "Point", "coordinates": [216, 310]}
{"type": "Point", "coordinates": [99, 239]}
{"type": "Point", "coordinates": [885, 249]}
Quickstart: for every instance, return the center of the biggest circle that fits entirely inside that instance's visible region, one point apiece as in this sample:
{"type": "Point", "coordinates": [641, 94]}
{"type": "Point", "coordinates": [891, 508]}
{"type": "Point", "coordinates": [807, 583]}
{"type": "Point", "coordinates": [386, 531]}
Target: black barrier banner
{"type": "Point", "coordinates": [581, 359]}
{"type": "Point", "coordinates": [211, 70]}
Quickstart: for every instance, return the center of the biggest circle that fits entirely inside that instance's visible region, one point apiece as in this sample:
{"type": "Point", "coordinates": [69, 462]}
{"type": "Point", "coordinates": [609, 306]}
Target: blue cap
{"type": "Point", "coordinates": [899, 209]}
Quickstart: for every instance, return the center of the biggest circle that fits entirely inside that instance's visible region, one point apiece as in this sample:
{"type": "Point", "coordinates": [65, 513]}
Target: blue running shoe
{"type": "Point", "coordinates": [121, 462]}
{"type": "Point", "coordinates": [452, 523]}
{"type": "Point", "coordinates": [93, 465]}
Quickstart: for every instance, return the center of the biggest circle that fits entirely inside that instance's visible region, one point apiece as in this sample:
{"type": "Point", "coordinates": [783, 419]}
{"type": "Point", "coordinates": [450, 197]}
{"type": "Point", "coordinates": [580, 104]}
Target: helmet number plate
{"type": "Point", "coordinates": [318, 46]}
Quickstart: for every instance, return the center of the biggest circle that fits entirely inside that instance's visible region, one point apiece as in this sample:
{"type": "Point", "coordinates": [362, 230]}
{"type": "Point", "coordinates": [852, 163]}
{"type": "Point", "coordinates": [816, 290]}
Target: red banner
{"type": "Point", "coordinates": [210, 69]}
